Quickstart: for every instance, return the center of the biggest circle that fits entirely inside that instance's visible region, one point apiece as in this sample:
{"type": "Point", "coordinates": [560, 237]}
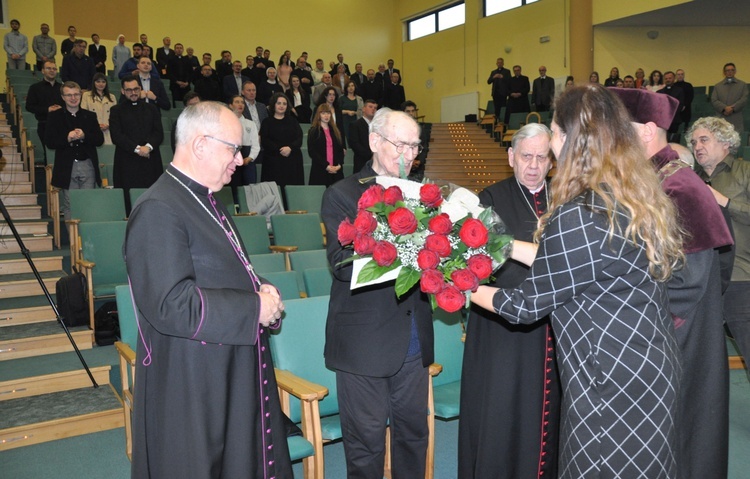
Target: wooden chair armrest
{"type": "Point", "coordinates": [298, 387]}
{"type": "Point", "coordinates": [296, 212]}
{"type": "Point", "coordinates": [250, 213]}
{"type": "Point", "coordinates": [283, 249]}
{"type": "Point", "coordinates": [126, 352]}
{"type": "Point", "coordinates": [482, 110]}
{"type": "Point", "coordinates": [86, 264]}
{"type": "Point", "coordinates": [435, 369]}
{"type": "Point", "coordinates": [73, 221]}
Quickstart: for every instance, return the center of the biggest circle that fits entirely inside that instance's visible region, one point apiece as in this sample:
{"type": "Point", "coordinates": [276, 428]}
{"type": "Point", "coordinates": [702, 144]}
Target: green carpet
{"type": "Point", "coordinates": [59, 405]}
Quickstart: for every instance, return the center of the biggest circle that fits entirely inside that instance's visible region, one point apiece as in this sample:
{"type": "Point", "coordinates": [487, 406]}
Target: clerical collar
{"type": "Point", "coordinates": [188, 176]}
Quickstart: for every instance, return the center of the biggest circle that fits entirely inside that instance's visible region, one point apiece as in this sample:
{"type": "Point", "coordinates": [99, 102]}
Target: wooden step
{"type": "Point", "coordinates": [17, 187]}
{"type": "Point", "coordinates": [27, 212]}
{"type": "Point", "coordinates": [12, 156]}
{"type": "Point", "coordinates": [37, 339]}
{"type": "Point", "coordinates": [26, 227]}
{"type": "Point", "coordinates": [19, 199]}
{"type": "Point", "coordinates": [9, 165]}
{"type": "Point", "coordinates": [99, 409]}
{"type": "Point", "coordinates": [8, 177]}
{"type": "Point", "coordinates": [26, 284]}
{"type": "Point", "coordinates": [33, 243]}
{"type": "Point", "coordinates": [50, 383]}
{"type": "Point", "coordinates": [18, 264]}
{"type": "Point", "coordinates": [28, 315]}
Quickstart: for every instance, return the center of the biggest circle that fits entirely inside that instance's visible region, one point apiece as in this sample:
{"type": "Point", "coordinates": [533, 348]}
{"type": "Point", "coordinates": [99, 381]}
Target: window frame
{"type": "Point", "coordinates": [434, 13]}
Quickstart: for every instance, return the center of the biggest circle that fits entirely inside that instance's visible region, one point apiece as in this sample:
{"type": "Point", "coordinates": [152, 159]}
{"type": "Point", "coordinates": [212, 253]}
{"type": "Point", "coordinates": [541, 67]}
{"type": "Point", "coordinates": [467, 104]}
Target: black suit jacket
{"type": "Point", "coordinates": [368, 329]}
{"type": "Point", "coordinates": [59, 124]}
{"type": "Point", "coordinates": [98, 55]}
{"type": "Point", "coordinates": [373, 91]}
{"type": "Point", "coordinates": [359, 141]}
{"type": "Point", "coordinates": [393, 96]}
{"type": "Point", "coordinates": [162, 61]}
{"type": "Point", "coordinates": [162, 99]}
{"type": "Point", "coordinates": [229, 86]}
{"type": "Point", "coordinates": [543, 93]}
{"type": "Point", "coordinates": [500, 86]}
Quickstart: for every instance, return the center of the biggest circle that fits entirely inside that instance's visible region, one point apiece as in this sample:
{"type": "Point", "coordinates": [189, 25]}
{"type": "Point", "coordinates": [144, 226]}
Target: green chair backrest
{"type": "Point", "coordinates": [126, 316]}
{"type": "Point", "coordinates": [102, 244]}
{"type": "Point", "coordinates": [449, 348]}
{"type": "Point", "coordinates": [254, 233]}
{"type": "Point", "coordinates": [303, 260]}
{"type": "Point", "coordinates": [268, 263]}
{"type": "Point", "coordinates": [225, 196]}
{"type": "Point", "coordinates": [302, 231]}
{"type": "Point", "coordinates": [317, 281]}
{"type": "Point", "coordinates": [136, 193]}
{"type": "Point", "coordinates": [99, 204]}
{"type": "Point", "coordinates": [298, 348]}
{"type": "Point", "coordinates": [106, 154]}
{"type": "Point", "coordinates": [515, 120]}
{"type": "Point", "coordinates": [490, 110]}
{"type": "Point", "coordinates": [285, 282]}
{"type": "Point", "coordinates": [304, 197]}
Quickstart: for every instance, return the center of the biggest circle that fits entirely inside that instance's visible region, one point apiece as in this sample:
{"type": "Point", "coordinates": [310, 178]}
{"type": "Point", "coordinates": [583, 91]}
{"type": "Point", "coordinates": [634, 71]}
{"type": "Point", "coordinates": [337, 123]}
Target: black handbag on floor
{"type": "Point", "coordinates": [106, 324]}
{"type": "Point", "coordinates": [72, 302]}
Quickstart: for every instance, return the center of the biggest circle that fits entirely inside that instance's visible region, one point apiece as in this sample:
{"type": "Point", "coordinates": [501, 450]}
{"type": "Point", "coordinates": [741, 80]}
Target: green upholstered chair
{"type": "Point", "coordinates": [317, 281]}
{"type": "Point", "coordinates": [299, 261]}
{"type": "Point", "coordinates": [285, 282]}
{"type": "Point", "coordinates": [305, 197]}
{"type": "Point", "coordinates": [254, 233]}
{"type": "Point", "coordinates": [449, 353]}
{"type": "Point", "coordinates": [88, 206]}
{"type": "Point", "coordinates": [303, 231]}
{"type": "Point", "coordinates": [267, 263]}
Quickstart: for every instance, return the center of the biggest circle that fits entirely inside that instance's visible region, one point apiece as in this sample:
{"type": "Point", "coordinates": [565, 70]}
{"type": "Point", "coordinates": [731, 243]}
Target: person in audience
{"type": "Point", "coordinates": [190, 98]}
{"type": "Point", "coordinates": [180, 71]}
{"type": "Point", "coordinates": [120, 55]}
{"type": "Point", "coordinates": [204, 315]}
{"type": "Point", "coordinates": [281, 139]}
{"type": "Point", "coordinates": [100, 101]}
{"type": "Point", "coordinates": [607, 245]}
{"type": "Point", "coordinates": [543, 93]}
{"type": "Point", "coordinates": [283, 72]}
{"type": "Point", "coordinates": [288, 55]}
{"type": "Point", "coordinates": [130, 67]}
{"type": "Point", "coordinates": [195, 65]}
{"type": "Point", "coordinates": [419, 163]}
{"type": "Point", "coordinates": [628, 82]}
{"type": "Point", "coordinates": [372, 88]}
{"type": "Point", "coordinates": [267, 59]}
{"type": "Point", "coordinates": [66, 47]}
{"type": "Point", "coordinates": [232, 84]}
{"type": "Point", "coordinates": [299, 100]}
{"type": "Point", "coordinates": [675, 92]}
{"type": "Point", "coordinates": [206, 59]}
{"type": "Point", "coordinates": [655, 81]}
{"type": "Point", "coordinates": [715, 143]}
{"type": "Point", "coordinates": [78, 67]}
{"type": "Point", "coordinates": [270, 86]}
{"type": "Point", "coordinates": [147, 50]}
{"type": "Point", "coordinates": [351, 107]}
{"type": "Point", "coordinates": [207, 86]}
{"type": "Point", "coordinates": [254, 110]}
{"type": "Point", "coordinates": [224, 66]}
{"type": "Point", "coordinates": [569, 82]}
{"type": "Point", "coordinates": [729, 98]}
{"type": "Point", "coordinates": [391, 70]}
{"type": "Point", "coordinates": [382, 75]}
{"type": "Point", "coordinates": [359, 78]}
{"type": "Point", "coordinates": [152, 88]}
{"type": "Point", "coordinates": [137, 133]}
{"type": "Point", "coordinates": [98, 54]}
{"type": "Point", "coordinates": [510, 385]}
{"type": "Point", "coordinates": [326, 82]}
{"type": "Point", "coordinates": [326, 147]}
{"type": "Point", "coordinates": [379, 346]}
{"type": "Point", "coordinates": [340, 62]}
{"type": "Point", "coordinates": [499, 79]}
{"type": "Point", "coordinates": [340, 78]}
{"type": "Point", "coordinates": [43, 98]}
{"type": "Point", "coordinates": [393, 94]}
{"type": "Point", "coordinates": [518, 93]}
{"type": "Point", "coordinates": [302, 71]}
{"type": "Point", "coordinates": [74, 134]}
{"type": "Point", "coordinates": [594, 77]}
{"type": "Point", "coordinates": [640, 78]}
{"type": "Point", "coordinates": [44, 46]}
{"type": "Point", "coordinates": [250, 71]}
{"type": "Point", "coordinates": [689, 92]}
{"type": "Point", "coordinates": [359, 135]}
{"type": "Point", "coordinates": [330, 96]}
{"type": "Point", "coordinates": [614, 75]}
{"type": "Point", "coordinates": [246, 173]}
{"type": "Point", "coordinates": [694, 293]}
{"type": "Point", "coordinates": [318, 72]}
{"type": "Point", "coordinates": [163, 55]}
{"type": "Point", "coordinates": [148, 53]}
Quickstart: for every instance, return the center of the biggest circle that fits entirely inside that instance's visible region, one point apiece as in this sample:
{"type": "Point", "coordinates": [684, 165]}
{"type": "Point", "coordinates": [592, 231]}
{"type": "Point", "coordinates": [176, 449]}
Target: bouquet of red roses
{"type": "Point", "coordinates": [408, 232]}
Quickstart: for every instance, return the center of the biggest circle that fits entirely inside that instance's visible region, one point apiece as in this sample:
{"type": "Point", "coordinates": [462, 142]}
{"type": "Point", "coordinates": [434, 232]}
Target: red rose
{"type": "Point", "coordinates": [365, 223]}
{"type": "Point", "coordinates": [465, 280]}
{"type": "Point", "coordinates": [372, 196]}
{"type": "Point", "coordinates": [430, 195]}
{"type": "Point", "coordinates": [364, 244]}
{"type": "Point", "coordinates": [392, 195]}
{"type": "Point", "coordinates": [439, 244]}
{"type": "Point", "coordinates": [384, 253]}
{"type": "Point", "coordinates": [402, 221]}
{"type": "Point", "coordinates": [450, 299]}
{"type": "Point", "coordinates": [473, 233]}
{"type": "Point", "coordinates": [431, 281]}
{"type": "Point", "coordinates": [427, 259]}
{"type": "Point", "coordinates": [480, 265]}
{"type": "Point", "coordinates": [346, 232]}
{"type": "Point", "coordinates": [441, 224]}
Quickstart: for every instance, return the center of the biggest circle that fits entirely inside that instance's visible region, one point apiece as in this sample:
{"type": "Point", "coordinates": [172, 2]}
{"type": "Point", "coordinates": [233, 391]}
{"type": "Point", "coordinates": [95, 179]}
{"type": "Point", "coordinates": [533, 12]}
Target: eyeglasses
{"type": "Point", "coordinates": [236, 148]}
{"type": "Point", "coordinates": [133, 90]}
{"type": "Point", "coordinates": [400, 147]}
{"type": "Point", "coordinates": [71, 95]}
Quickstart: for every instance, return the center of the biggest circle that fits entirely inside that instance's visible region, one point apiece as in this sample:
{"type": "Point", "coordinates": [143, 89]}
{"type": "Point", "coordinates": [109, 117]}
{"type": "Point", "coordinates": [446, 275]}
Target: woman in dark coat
{"type": "Point", "coordinates": [325, 147]}
{"type": "Point", "coordinates": [281, 140]}
{"type": "Point", "coordinates": [299, 101]}
{"type": "Point", "coordinates": [330, 96]}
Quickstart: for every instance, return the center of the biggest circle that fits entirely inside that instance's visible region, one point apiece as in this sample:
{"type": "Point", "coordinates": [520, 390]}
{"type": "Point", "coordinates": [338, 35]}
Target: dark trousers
{"type": "Point", "coordinates": [737, 314]}
{"type": "Point", "coordinates": [367, 404]}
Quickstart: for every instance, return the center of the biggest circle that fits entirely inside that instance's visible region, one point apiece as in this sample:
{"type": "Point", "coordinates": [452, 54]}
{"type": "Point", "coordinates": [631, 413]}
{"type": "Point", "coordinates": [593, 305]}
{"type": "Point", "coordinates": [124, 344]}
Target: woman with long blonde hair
{"type": "Point", "coordinates": [326, 147]}
{"type": "Point", "coordinates": [607, 245]}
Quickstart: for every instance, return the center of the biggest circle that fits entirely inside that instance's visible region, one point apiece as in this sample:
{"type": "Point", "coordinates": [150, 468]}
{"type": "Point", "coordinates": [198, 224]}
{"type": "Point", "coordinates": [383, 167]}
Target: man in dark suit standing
{"type": "Point", "coordinates": [302, 71]}
{"type": "Point", "coordinates": [379, 346]}
{"type": "Point", "coordinates": [340, 59]}
{"type": "Point", "coordinates": [675, 92]}
{"type": "Point", "coordinates": [74, 134]}
{"type": "Point", "coordinates": [162, 57]}
{"type": "Point", "coordinates": [518, 93]}
{"type": "Point", "coordinates": [359, 135]}
{"type": "Point", "coordinates": [689, 93]}
{"type": "Point", "coordinates": [499, 78]}
{"type": "Point", "coordinates": [232, 84]}
{"type": "Point", "coordinates": [78, 67]}
{"type": "Point", "coordinates": [372, 89]}
{"type": "Point", "coordinates": [224, 65]}
{"type": "Point", "coordinates": [180, 70]}
{"type": "Point", "coordinates": [544, 91]}
{"type": "Point", "coordinates": [394, 94]}
{"type": "Point", "coordinates": [391, 70]}
{"type": "Point", "coordinates": [152, 89]}
{"type": "Point", "coordinates": [98, 54]}
{"type": "Point", "coordinates": [359, 79]}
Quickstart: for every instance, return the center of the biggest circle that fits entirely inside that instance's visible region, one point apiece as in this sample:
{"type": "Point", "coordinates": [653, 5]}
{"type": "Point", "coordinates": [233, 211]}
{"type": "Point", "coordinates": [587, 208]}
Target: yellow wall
{"type": "Point", "coordinates": [608, 10]}
{"type": "Point", "coordinates": [700, 51]}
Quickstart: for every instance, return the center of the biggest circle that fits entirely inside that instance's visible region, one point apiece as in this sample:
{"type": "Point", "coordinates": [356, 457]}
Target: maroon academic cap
{"type": "Point", "coordinates": [645, 106]}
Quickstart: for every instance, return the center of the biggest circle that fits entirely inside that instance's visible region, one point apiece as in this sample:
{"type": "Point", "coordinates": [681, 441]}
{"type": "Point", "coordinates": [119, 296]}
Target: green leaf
{"type": "Point", "coordinates": [433, 302]}
{"type": "Point", "coordinates": [371, 271]}
{"type": "Point", "coordinates": [406, 280]}
{"type": "Point", "coordinates": [486, 217]}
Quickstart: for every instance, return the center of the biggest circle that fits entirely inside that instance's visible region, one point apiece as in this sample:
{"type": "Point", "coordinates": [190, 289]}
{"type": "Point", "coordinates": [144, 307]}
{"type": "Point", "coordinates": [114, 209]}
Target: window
{"type": "Point", "coordinates": [492, 7]}
{"type": "Point", "coordinates": [437, 21]}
